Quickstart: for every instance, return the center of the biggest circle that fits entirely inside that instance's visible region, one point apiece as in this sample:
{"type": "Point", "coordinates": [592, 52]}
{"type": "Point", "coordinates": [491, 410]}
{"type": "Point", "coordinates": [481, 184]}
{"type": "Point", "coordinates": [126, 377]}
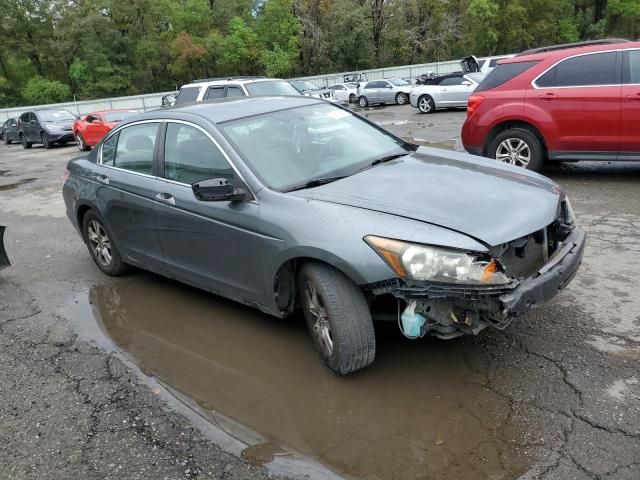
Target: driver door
{"type": "Point", "coordinates": [95, 129]}
{"type": "Point", "coordinates": [455, 91]}
{"type": "Point", "coordinates": [214, 245]}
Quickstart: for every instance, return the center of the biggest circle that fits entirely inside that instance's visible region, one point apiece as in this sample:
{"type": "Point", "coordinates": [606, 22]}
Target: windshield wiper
{"type": "Point", "coordinates": [386, 158]}
{"type": "Point", "coordinates": [316, 182]}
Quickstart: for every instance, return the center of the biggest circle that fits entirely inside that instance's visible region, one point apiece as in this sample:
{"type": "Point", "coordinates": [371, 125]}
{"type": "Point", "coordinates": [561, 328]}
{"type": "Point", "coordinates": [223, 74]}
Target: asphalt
{"type": "Point", "coordinates": [554, 396]}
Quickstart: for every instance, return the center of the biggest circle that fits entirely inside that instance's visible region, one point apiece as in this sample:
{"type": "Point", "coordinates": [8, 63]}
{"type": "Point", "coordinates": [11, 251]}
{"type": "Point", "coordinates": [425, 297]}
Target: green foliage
{"type": "Point", "coordinates": [40, 90]}
{"type": "Point", "coordinates": [52, 49]}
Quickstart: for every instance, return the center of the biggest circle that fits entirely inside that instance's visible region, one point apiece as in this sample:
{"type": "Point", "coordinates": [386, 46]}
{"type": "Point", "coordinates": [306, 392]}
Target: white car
{"type": "Point", "coordinates": [390, 90]}
{"type": "Point", "coordinates": [447, 91]}
{"type": "Point", "coordinates": [212, 88]}
{"type": "Point", "coordinates": [482, 65]}
{"type": "Point", "coordinates": [345, 92]}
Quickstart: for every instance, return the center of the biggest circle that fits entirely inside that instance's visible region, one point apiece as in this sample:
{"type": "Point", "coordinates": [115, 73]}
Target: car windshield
{"type": "Point", "coordinates": [117, 116]}
{"type": "Point", "coordinates": [271, 87]}
{"type": "Point", "coordinates": [55, 115]}
{"type": "Point", "coordinates": [295, 146]}
{"type": "Point", "coordinates": [398, 82]}
{"type": "Point", "coordinates": [304, 86]}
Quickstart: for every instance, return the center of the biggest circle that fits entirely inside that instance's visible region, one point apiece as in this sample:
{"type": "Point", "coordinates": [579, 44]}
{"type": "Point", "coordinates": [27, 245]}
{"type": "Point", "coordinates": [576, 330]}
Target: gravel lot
{"type": "Point", "coordinates": [87, 385]}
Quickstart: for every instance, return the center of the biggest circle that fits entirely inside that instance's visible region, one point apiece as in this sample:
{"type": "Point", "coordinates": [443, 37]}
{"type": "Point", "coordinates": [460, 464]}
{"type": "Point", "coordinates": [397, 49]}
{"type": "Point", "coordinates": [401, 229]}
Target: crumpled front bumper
{"type": "Point", "coordinates": [4, 259]}
{"type": "Point", "coordinates": [498, 304]}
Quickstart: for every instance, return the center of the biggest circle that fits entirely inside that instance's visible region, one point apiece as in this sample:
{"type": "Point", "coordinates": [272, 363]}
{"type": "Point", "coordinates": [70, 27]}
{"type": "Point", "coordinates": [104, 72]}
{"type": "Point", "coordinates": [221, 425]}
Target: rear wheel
{"type": "Point", "coordinates": [24, 142]}
{"type": "Point", "coordinates": [519, 147]}
{"type": "Point", "coordinates": [363, 102]}
{"type": "Point", "coordinates": [100, 244]}
{"type": "Point", "coordinates": [338, 318]}
{"type": "Point", "coordinates": [426, 104]}
{"type": "Point", "coordinates": [82, 146]}
{"type": "Point", "coordinates": [402, 98]}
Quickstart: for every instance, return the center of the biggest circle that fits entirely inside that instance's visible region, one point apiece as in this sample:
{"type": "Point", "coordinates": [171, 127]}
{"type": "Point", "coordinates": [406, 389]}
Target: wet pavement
{"type": "Point", "coordinates": [555, 396]}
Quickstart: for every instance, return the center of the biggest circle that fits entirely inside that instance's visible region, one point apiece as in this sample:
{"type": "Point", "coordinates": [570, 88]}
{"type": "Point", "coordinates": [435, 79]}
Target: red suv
{"type": "Point", "coordinates": [568, 102]}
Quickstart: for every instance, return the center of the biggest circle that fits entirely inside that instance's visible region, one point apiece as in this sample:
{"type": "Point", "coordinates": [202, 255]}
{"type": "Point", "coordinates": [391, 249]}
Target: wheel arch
{"type": "Point", "coordinates": [514, 123]}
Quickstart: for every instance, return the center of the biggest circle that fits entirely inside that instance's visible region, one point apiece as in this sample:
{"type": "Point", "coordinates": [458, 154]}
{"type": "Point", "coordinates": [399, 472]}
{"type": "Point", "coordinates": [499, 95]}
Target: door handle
{"type": "Point", "coordinates": [634, 97]}
{"type": "Point", "coordinates": [102, 179]}
{"type": "Point", "coordinates": [166, 198]}
{"type": "Point", "coordinates": [548, 96]}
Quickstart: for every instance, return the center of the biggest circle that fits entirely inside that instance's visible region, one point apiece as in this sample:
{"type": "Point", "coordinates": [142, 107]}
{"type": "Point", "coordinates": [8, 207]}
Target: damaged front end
{"type": "Point", "coordinates": [533, 269]}
{"type": "Point", "coordinates": [4, 259]}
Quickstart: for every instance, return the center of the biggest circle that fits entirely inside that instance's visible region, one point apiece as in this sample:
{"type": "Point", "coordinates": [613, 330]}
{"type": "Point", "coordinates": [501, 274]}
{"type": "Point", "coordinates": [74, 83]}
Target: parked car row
{"type": "Point", "coordinates": [56, 126]}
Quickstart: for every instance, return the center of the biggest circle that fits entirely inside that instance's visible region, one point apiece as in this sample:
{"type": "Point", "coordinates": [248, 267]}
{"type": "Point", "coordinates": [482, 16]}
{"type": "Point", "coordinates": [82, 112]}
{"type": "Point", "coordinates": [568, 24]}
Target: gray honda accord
{"type": "Point", "coordinates": [287, 203]}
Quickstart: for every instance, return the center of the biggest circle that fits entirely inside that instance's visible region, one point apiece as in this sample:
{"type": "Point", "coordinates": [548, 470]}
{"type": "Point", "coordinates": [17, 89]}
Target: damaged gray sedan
{"type": "Point", "coordinates": [292, 203]}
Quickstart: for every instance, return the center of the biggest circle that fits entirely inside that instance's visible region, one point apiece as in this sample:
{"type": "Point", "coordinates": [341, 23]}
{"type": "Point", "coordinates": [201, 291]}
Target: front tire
{"type": "Point", "coordinates": [338, 318]}
{"type": "Point", "coordinates": [426, 104]}
{"type": "Point", "coordinates": [6, 140]}
{"type": "Point", "coordinates": [402, 98]}
{"type": "Point", "coordinates": [45, 141]}
{"type": "Point", "coordinates": [99, 241]}
{"type": "Point", "coordinates": [82, 146]}
{"type": "Point", "coordinates": [352, 98]}
{"type": "Point", "coordinates": [363, 102]}
{"type": "Point", "coordinates": [519, 147]}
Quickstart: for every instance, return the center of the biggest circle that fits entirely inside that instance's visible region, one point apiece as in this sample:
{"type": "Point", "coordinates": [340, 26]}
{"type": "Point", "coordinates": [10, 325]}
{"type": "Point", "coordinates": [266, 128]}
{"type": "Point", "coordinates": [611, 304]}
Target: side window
{"type": "Point", "coordinates": [585, 70]}
{"type": "Point", "coordinates": [191, 156]}
{"type": "Point", "coordinates": [134, 150]}
{"type": "Point", "coordinates": [109, 150]}
{"type": "Point", "coordinates": [452, 81]}
{"type": "Point", "coordinates": [631, 67]}
{"type": "Point", "coordinates": [234, 91]}
{"type": "Point", "coordinates": [214, 92]}
{"type": "Point", "coordinates": [188, 94]}
{"type": "Point", "coordinates": [24, 117]}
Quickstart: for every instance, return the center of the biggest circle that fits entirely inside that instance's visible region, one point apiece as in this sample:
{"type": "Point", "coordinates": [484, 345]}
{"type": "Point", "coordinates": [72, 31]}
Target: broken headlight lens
{"type": "Point", "coordinates": [437, 264]}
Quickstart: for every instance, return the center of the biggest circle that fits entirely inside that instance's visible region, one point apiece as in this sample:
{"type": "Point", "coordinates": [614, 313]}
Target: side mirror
{"type": "Point", "coordinates": [218, 190]}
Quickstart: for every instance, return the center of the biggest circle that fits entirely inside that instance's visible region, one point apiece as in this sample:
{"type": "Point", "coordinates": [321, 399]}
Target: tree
{"type": "Point", "coordinates": [278, 32]}
{"type": "Point", "coordinates": [350, 36]}
{"type": "Point", "coordinates": [42, 91]}
{"type": "Point", "coordinates": [624, 17]}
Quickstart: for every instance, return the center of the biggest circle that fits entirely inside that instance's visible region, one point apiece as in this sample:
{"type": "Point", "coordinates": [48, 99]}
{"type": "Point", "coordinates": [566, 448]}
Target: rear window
{"type": "Point", "coordinates": [594, 69]}
{"type": "Point", "coordinates": [188, 94]}
{"type": "Point", "coordinates": [271, 87]}
{"type": "Point", "coordinates": [503, 73]}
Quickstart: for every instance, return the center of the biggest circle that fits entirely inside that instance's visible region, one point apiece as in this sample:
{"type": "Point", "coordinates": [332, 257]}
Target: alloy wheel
{"type": "Point", "coordinates": [100, 243]}
{"type": "Point", "coordinates": [321, 325]}
{"type": "Point", "coordinates": [424, 104]}
{"type": "Point", "coordinates": [514, 151]}
{"type": "Point", "coordinates": [80, 142]}
{"type": "Point", "coordinates": [402, 99]}
{"type": "Point", "coordinates": [45, 141]}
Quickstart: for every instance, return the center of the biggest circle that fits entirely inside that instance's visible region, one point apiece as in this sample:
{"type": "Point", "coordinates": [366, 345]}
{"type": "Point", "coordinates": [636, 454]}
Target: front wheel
{"type": "Point", "coordinates": [352, 98]}
{"type": "Point", "coordinates": [25, 143]}
{"type": "Point", "coordinates": [82, 146]}
{"type": "Point", "coordinates": [402, 98]}
{"type": "Point", "coordinates": [338, 318]}
{"type": "Point", "coordinates": [426, 104]}
{"type": "Point", "coordinates": [518, 147]}
{"type": "Point", "coordinates": [100, 244]}
{"type": "Point", "coordinates": [45, 141]}
{"type": "Point", "coordinates": [363, 102]}
{"type": "Point", "coordinates": [6, 140]}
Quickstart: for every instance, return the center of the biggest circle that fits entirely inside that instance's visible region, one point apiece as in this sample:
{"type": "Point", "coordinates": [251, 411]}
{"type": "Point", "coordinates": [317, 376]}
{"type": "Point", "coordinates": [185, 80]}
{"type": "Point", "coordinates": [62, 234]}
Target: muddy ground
{"type": "Point", "coordinates": [141, 377]}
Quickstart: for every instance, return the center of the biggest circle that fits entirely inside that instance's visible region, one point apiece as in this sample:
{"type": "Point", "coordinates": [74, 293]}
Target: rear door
{"type": "Point", "coordinates": [234, 91]}
{"type": "Point", "coordinates": [581, 97]}
{"type": "Point", "coordinates": [630, 112]}
{"type": "Point", "coordinates": [214, 92]}
{"type": "Point", "coordinates": [211, 244]}
{"type": "Point", "coordinates": [125, 175]}
{"type": "Point", "coordinates": [372, 91]}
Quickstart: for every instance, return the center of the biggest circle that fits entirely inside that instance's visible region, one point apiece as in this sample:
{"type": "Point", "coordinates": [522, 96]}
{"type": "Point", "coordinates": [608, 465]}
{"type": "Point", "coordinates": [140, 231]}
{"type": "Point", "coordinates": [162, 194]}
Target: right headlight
{"type": "Point", "coordinates": [437, 264]}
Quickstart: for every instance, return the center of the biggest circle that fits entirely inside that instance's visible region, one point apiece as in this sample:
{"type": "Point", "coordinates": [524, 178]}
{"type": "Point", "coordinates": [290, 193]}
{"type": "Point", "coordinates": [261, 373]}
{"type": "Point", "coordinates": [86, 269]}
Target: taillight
{"type": "Point", "coordinates": [473, 103]}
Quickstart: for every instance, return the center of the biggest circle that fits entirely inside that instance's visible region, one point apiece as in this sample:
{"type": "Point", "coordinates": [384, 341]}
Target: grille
{"type": "Point", "coordinates": [523, 258]}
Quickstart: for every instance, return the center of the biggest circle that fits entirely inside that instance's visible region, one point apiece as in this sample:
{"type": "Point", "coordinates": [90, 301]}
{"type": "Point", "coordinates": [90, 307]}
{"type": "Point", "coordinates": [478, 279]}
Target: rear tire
{"type": "Point", "coordinates": [363, 102]}
{"type": "Point", "coordinates": [338, 318]}
{"type": "Point", "coordinates": [24, 142]}
{"type": "Point", "coordinates": [402, 98]}
{"type": "Point", "coordinates": [519, 147]}
{"type": "Point", "coordinates": [100, 243]}
{"type": "Point", "coordinates": [426, 104]}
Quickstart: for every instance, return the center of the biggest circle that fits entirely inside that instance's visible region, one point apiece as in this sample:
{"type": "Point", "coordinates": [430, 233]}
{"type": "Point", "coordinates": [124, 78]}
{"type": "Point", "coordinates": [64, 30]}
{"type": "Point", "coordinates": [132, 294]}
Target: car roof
{"type": "Point", "coordinates": [560, 51]}
{"type": "Point", "coordinates": [225, 109]}
{"type": "Point", "coordinates": [227, 80]}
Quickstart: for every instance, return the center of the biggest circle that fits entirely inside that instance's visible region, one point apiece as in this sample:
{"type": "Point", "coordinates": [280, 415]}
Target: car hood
{"type": "Point", "coordinates": [66, 124]}
{"type": "Point", "coordinates": [488, 201]}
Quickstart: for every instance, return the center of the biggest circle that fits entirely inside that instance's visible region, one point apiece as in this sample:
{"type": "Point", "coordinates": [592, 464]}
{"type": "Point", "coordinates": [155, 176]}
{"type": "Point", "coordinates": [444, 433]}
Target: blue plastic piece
{"type": "Point", "coordinates": [412, 322]}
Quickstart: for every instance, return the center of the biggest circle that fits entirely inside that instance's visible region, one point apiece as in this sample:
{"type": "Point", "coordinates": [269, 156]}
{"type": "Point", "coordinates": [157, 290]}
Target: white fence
{"type": "Point", "coordinates": [154, 100]}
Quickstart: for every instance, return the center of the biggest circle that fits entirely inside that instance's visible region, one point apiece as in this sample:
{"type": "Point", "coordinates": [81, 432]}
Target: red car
{"type": "Point", "coordinates": [568, 102]}
{"type": "Point", "coordinates": [90, 129]}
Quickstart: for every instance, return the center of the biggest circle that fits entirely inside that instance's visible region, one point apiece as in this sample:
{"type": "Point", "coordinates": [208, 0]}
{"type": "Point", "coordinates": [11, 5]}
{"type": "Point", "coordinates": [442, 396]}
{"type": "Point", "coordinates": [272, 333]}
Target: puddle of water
{"type": "Point", "coordinates": [13, 186]}
{"type": "Point", "coordinates": [419, 411]}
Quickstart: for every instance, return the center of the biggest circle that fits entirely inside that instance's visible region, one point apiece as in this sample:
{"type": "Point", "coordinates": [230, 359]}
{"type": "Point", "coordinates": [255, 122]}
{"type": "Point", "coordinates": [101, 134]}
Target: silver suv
{"type": "Point", "coordinates": [212, 88]}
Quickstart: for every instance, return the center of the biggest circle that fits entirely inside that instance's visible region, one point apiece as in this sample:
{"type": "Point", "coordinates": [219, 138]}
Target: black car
{"type": "Point", "coordinates": [9, 131]}
{"type": "Point", "coordinates": [47, 127]}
